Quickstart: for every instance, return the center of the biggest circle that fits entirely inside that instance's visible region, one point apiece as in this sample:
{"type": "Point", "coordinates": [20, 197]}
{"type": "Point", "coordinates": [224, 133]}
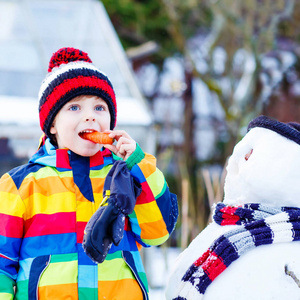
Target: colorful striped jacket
{"type": "Point", "coordinates": [44, 207]}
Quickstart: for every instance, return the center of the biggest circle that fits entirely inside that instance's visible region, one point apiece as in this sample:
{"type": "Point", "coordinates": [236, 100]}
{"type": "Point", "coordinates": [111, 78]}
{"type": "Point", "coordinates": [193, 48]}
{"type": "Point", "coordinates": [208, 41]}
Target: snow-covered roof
{"type": "Point", "coordinates": [23, 111]}
{"type": "Point", "coordinates": [31, 30]}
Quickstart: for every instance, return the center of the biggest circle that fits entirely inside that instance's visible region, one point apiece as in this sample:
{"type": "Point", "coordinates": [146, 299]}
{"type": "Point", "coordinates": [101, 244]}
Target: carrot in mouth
{"type": "Point", "coordinates": [98, 137]}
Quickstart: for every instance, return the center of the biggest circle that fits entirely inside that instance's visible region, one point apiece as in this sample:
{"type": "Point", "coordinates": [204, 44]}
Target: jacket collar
{"type": "Point", "coordinates": [49, 155]}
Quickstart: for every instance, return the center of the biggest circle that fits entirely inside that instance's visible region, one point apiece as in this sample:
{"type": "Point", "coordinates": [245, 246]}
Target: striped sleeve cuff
{"type": "Point", "coordinates": [135, 157]}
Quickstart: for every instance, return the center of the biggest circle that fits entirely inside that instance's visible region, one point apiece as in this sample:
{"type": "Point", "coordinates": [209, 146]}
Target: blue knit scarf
{"type": "Point", "coordinates": [257, 225]}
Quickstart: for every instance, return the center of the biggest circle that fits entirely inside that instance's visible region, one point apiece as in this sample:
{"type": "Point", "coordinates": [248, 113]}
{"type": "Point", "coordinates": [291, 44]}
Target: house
{"type": "Point", "coordinates": [30, 31]}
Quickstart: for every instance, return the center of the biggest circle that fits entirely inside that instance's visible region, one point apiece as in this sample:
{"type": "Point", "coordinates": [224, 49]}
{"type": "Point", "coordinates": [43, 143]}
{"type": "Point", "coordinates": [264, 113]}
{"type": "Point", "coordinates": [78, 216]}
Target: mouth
{"type": "Point", "coordinates": [81, 133]}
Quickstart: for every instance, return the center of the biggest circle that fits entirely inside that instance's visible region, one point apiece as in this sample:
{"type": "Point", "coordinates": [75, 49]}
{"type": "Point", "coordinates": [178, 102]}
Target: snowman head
{"type": "Point", "coordinates": [265, 165]}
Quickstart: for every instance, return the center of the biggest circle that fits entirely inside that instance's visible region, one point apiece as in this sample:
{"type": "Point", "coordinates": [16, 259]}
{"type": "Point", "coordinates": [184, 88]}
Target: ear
{"type": "Point", "coordinates": [53, 129]}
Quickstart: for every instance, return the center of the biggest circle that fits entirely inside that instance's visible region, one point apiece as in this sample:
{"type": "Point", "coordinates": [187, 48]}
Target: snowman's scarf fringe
{"type": "Point", "coordinates": [258, 225]}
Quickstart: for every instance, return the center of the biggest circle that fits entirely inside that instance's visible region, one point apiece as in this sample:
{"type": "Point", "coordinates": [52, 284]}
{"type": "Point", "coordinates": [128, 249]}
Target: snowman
{"type": "Point", "coordinates": [251, 250]}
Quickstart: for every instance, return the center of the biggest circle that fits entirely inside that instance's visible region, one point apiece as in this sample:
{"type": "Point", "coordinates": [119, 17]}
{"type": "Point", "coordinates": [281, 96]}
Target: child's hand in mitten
{"type": "Point", "coordinates": [91, 235]}
{"type": "Point", "coordinates": [104, 228]}
{"type": "Point", "coordinates": [107, 224]}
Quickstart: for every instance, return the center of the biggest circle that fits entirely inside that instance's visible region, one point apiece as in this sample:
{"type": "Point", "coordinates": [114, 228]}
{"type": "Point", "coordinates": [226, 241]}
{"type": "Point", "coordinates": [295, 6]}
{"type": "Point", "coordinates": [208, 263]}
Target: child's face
{"type": "Point", "coordinates": [80, 114]}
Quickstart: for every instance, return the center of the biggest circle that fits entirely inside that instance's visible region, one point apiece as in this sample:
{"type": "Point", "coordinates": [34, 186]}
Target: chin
{"type": "Point", "coordinates": [87, 152]}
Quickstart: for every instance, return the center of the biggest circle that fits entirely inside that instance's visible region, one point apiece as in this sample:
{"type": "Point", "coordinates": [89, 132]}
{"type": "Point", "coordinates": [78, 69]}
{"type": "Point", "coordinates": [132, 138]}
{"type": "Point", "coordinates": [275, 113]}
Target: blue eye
{"type": "Point", "coordinates": [99, 108]}
{"type": "Point", "coordinates": [74, 107]}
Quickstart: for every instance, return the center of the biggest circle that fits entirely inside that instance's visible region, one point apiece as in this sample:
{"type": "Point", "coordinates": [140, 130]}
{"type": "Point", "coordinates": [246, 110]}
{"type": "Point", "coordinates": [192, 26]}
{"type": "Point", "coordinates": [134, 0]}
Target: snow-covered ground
{"type": "Point", "coordinates": [158, 263]}
{"type": "Point", "coordinates": [157, 294]}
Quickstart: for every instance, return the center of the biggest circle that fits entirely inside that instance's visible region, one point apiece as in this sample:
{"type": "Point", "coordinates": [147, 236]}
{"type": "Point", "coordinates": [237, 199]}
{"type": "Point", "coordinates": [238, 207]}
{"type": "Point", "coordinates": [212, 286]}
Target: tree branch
{"type": "Point", "coordinates": [292, 274]}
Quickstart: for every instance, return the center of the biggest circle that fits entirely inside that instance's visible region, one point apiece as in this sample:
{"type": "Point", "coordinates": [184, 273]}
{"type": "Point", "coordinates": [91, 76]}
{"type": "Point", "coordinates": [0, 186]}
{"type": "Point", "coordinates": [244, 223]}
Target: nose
{"type": "Point", "coordinates": [89, 116]}
{"type": "Point", "coordinates": [87, 119]}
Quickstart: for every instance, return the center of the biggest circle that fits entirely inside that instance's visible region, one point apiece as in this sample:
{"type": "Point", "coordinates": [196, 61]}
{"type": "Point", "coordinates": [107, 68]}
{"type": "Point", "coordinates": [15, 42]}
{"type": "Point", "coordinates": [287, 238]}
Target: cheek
{"type": "Point", "coordinates": [105, 121]}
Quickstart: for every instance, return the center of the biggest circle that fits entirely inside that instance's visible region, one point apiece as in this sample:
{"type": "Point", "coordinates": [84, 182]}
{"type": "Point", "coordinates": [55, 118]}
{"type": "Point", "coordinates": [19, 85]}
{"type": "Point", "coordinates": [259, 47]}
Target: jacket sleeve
{"type": "Point", "coordinates": [156, 210]}
{"type": "Point", "coordinates": [11, 232]}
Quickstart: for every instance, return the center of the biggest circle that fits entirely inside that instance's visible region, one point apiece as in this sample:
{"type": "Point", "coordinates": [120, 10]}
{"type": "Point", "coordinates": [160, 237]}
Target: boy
{"type": "Point", "coordinates": [46, 204]}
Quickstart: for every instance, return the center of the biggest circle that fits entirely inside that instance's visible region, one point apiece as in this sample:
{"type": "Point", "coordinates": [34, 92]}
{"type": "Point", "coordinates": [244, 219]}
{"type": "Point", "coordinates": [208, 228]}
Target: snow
{"type": "Point", "coordinates": [219, 57]}
{"type": "Point", "coordinates": [243, 87]}
{"type": "Point", "coordinates": [131, 111]}
{"type": "Point", "coordinates": [24, 111]}
{"type": "Point", "coordinates": [157, 294]}
{"type": "Point", "coordinates": [147, 76]}
{"type": "Point", "coordinates": [173, 71]}
{"type": "Point", "coordinates": [158, 264]}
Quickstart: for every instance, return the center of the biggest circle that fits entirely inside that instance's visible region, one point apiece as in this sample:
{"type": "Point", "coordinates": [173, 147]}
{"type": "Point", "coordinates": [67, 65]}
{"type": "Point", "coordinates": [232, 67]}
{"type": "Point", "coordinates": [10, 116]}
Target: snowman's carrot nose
{"type": "Point", "coordinates": [248, 154]}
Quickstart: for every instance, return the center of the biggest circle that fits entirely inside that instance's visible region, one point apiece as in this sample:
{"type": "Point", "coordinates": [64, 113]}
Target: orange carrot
{"type": "Point", "coordinates": [98, 137]}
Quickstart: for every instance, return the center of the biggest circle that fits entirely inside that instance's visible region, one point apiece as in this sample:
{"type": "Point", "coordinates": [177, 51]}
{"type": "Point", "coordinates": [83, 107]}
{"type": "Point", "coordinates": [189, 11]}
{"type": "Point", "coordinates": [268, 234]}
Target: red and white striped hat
{"type": "Point", "coordinates": [71, 74]}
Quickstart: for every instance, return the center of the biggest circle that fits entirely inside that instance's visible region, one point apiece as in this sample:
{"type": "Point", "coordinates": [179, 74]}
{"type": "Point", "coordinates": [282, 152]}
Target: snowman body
{"type": "Point", "coordinates": [264, 168]}
{"type": "Point", "coordinates": [259, 274]}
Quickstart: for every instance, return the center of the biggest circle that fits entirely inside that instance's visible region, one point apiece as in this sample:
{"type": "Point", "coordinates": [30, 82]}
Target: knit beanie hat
{"type": "Point", "coordinates": [71, 74]}
{"type": "Point", "coordinates": [289, 130]}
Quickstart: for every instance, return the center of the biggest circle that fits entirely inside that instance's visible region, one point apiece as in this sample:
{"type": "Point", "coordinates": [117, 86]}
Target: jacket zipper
{"type": "Point", "coordinates": [46, 266]}
{"type": "Point", "coordinates": [136, 277]}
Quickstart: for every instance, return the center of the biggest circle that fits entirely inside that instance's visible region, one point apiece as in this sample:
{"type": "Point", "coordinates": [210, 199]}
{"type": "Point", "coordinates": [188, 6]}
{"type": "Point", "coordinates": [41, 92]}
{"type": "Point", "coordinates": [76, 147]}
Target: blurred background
{"type": "Point", "coordinates": [188, 75]}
